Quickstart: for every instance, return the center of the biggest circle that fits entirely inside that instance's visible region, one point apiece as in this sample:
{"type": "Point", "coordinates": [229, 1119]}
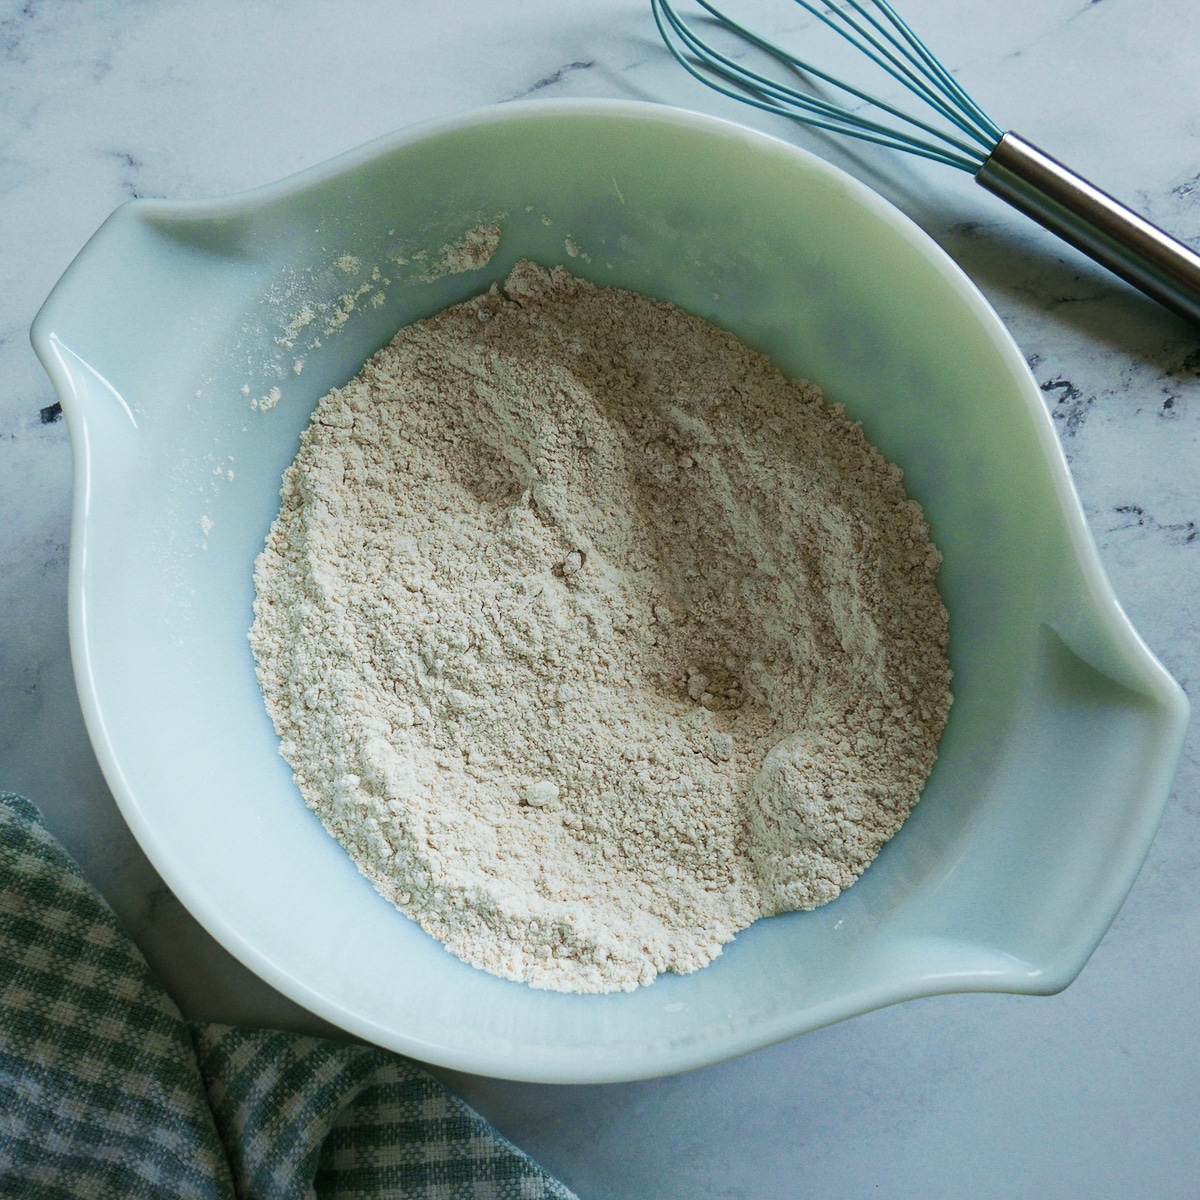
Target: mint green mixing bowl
{"type": "Point", "coordinates": [189, 342]}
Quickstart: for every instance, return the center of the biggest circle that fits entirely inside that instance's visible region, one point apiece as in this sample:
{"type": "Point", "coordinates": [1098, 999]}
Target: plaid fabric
{"type": "Point", "coordinates": [99, 1092]}
{"type": "Point", "coordinates": [304, 1116]}
{"type": "Point", "coordinates": [106, 1094]}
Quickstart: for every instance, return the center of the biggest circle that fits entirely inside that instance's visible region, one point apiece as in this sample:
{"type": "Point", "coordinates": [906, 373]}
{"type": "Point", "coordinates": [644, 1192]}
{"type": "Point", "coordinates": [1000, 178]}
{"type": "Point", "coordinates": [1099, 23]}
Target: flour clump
{"type": "Point", "coordinates": [593, 638]}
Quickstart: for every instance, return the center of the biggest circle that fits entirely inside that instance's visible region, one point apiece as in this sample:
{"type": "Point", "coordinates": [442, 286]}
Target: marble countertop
{"type": "Point", "coordinates": [1095, 1092]}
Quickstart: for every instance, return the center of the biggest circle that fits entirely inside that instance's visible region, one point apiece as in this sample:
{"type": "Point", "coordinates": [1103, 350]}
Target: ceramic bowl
{"type": "Point", "coordinates": [189, 342]}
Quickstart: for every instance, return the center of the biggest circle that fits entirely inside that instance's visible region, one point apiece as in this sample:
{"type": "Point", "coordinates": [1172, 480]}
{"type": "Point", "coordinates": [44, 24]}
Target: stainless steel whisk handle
{"type": "Point", "coordinates": [1091, 220]}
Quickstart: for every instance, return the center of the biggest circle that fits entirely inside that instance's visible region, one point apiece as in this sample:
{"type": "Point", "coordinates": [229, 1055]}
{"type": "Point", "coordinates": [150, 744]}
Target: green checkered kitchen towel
{"type": "Point", "coordinates": [107, 1094]}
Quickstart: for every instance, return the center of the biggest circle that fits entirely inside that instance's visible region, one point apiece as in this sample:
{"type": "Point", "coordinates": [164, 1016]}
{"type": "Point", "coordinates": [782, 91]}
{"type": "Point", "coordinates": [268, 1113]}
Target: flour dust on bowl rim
{"type": "Point", "coordinates": [190, 341]}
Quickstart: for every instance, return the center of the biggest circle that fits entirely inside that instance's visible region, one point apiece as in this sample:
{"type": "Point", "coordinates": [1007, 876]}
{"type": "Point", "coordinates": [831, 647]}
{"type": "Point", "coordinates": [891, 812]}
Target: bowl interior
{"type": "Point", "coordinates": [190, 342]}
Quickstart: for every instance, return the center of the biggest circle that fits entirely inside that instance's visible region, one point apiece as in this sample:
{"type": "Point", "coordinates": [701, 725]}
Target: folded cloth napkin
{"type": "Point", "coordinates": [107, 1094]}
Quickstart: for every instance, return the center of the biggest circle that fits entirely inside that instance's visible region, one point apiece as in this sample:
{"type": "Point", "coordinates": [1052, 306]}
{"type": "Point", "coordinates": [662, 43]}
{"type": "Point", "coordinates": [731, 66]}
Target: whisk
{"type": "Point", "coordinates": [957, 133]}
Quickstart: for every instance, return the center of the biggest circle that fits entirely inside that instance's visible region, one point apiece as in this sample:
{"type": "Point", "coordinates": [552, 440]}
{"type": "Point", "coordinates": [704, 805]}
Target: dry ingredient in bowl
{"type": "Point", "coordinates": [593, 639]}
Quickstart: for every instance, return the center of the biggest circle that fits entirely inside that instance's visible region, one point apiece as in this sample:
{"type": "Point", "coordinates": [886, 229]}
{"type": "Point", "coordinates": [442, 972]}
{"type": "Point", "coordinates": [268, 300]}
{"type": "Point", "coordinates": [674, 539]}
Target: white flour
{"type": "Point", "coordinates": [593, 639]}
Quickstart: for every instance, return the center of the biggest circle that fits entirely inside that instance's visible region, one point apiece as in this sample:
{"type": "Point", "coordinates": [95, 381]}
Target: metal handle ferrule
{"type": "Point", "coordinates": [1091, 220]}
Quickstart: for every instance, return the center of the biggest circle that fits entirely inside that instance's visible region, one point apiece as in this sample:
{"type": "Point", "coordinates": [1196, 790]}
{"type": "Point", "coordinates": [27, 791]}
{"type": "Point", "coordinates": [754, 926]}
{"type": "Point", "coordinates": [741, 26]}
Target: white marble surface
{"type": "Point", "coordinates": [1095, 1092]}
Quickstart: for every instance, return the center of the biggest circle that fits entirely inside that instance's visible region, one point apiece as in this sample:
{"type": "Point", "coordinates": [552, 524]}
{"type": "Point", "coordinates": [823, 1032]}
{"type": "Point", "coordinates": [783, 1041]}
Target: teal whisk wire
{"type": "Point", "coordinates": [957, 133]}
{"type": "Point", "coordinates": [877, 31]}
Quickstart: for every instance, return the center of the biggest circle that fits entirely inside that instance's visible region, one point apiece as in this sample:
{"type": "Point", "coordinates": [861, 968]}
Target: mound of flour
{"type": "Point", "coordinates": [593, 639]}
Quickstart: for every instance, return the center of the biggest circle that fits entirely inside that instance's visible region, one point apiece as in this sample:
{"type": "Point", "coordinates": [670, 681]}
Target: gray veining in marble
{"type": "Point", "coordinates": [1094, 1093]}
